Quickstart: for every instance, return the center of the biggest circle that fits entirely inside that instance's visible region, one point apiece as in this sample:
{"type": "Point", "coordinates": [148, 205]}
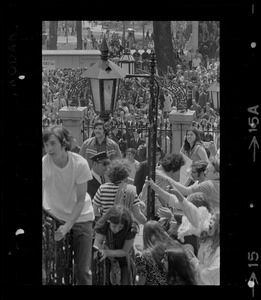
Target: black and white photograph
{"type": "Point", "coordinates": [111, 148]}
{"type": "Point", "coordinates": [154, 85]}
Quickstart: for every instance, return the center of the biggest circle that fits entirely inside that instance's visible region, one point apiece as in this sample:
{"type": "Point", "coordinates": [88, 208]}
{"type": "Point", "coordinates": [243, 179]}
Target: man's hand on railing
{"type": "Point", "coordinates": [95, 250]}
{"type": "Point", "coordinates": [61, 232]}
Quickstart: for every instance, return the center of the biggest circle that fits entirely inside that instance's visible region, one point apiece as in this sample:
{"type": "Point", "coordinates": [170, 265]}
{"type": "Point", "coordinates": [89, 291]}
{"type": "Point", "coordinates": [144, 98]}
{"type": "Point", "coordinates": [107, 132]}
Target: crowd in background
{"type": "Point", "coordinates": [132, 106]}
{"type": "Point", "coordinates": [181, 246]}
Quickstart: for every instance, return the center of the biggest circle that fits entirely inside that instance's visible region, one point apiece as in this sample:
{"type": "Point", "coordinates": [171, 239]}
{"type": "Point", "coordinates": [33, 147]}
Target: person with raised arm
{"type": "Point", "coordinates": [206, 225]}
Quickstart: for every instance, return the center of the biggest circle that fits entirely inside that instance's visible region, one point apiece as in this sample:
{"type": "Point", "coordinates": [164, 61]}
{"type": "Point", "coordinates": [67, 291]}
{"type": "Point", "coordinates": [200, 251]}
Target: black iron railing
{"type": "Point", "coordinates": [57, 257]}
{"type": "Point", "coordinates": [164, 134]}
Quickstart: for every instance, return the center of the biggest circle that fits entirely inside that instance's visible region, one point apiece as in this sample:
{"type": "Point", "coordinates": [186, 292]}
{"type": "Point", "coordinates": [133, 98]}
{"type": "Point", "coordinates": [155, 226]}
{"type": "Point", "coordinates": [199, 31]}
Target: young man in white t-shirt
{"type": "Point", "coordinates": [65, 177]}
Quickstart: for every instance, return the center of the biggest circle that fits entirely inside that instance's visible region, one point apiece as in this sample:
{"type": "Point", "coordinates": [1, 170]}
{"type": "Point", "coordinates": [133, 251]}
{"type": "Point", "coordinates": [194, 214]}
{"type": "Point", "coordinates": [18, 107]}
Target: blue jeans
{"type": "Point", "coordinates": [82, 246]}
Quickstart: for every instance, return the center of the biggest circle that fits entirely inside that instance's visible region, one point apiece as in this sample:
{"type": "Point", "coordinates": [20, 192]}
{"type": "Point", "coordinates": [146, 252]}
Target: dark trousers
{"type": "Point", "coordinates": [82, 246]}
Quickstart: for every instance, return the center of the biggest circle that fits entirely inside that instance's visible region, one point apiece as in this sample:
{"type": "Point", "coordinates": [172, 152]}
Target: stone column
{"type": "Point", "coordinates": [180, 124]}
{"type": "Point", "coordinates": [194, 35]}
{"type": "Point", "coordinates": [72, 120]}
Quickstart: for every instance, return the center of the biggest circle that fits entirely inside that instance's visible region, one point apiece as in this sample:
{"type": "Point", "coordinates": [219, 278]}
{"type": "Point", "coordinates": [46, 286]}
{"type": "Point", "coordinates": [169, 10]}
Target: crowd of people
{"type": "Point", "coordinates": [132, 107]}
{"type": "Point", "coordinates": [104, 202]}
{"type": "Point", "coordinates": [99, 190]}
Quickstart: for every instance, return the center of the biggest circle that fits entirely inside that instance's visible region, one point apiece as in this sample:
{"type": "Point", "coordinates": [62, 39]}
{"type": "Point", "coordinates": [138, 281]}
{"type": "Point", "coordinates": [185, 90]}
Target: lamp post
{"type": "Point", "coordinates": [104, 77]}
{"type": "Point", "coordinates": [127, 62]}
{"type": "Point", "coordinates": [152, 139]}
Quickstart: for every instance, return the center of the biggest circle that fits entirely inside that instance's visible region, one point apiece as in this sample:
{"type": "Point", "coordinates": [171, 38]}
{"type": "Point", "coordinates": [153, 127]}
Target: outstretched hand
{"type": "Point", "coordinates": [165, 212]}
{"type": "Point", "coordinates": [174, 191]}
{"type": "Point", "coordinates": [171, 189]}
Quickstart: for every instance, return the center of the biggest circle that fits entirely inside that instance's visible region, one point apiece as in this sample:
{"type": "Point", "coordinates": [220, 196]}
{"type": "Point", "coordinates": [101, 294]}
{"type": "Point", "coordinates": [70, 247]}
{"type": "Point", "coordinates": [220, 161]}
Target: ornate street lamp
{"type": "Point", "coordinates": [127, 62]}
{"type": "Point", "coordinates": [152, 138]}
{"type": "Point", "coordinates": [104, 77]}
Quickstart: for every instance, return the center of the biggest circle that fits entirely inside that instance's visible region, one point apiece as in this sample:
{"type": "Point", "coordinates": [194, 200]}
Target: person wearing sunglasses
{"type": "Point", "coordinates": [197, 171]}
{"type": "Point", "coordinates": [100, 163]}
{"type": "Point", "coordinates": [210, 186]}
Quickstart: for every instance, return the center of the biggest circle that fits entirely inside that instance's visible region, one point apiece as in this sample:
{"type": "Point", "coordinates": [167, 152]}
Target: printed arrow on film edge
{"type": "Point", "coordinates": [255, 144]}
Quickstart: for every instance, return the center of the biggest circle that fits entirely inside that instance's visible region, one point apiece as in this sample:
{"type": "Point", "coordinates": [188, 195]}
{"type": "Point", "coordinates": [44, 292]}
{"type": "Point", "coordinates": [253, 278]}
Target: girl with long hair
{"type": "Point", "coordinates": [149, 262]}
{"type": "Point", "coordinates": [193, 146]}
{"type": "Point", "coordinates": [178, 267]}
{"type": "Point", "coordinates": [114, 237]}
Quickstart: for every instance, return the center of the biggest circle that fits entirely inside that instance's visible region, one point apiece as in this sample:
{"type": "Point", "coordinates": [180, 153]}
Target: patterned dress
{"type": "Point", "coordinates": [147, 266]}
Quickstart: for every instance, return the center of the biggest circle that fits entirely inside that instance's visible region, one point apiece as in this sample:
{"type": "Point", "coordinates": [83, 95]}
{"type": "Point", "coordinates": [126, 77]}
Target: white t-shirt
{"type": "Point", "coordinates": [59, 187]}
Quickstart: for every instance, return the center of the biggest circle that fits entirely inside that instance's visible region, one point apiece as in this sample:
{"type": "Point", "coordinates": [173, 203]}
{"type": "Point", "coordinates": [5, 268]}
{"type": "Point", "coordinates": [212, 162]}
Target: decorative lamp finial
{"type": "Point", "coordinates": [104, 49]}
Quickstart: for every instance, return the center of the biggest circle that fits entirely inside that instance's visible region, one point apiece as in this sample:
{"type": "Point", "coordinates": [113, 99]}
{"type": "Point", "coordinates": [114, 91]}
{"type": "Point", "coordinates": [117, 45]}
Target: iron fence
{"type": "Point", "coordinates": [164, 133]}
{"type": "Point", "coordinates": [125, 134]}
{"type": "Point", "coordinates": [57, 257]}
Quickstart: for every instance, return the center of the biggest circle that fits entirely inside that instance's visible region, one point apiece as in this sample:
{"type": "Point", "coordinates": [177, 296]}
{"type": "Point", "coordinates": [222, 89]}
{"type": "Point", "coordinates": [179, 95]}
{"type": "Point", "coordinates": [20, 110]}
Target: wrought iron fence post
{"type": "Point", "coordinates": [152, 140]}
{"type": "Point", "coordinates": [57, 256]}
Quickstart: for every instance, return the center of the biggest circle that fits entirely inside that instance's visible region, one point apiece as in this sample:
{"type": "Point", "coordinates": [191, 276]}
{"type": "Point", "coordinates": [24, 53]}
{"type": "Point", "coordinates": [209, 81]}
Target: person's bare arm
{"type": "Point", "coordinates": [203, 154]}
{"type": "Point", "coordinates": [138, 214]}
{"type": "Point", "coordinates": [185, 190]}
{"type": "Point", "coordinates": [117, 252]}
{"type": "Point", "coordinates": [169, 199]}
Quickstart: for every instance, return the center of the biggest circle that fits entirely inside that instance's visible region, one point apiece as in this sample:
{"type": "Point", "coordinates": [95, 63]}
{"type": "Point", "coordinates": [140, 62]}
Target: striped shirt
{"type": "Point", "coordinates": [105, 196]}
